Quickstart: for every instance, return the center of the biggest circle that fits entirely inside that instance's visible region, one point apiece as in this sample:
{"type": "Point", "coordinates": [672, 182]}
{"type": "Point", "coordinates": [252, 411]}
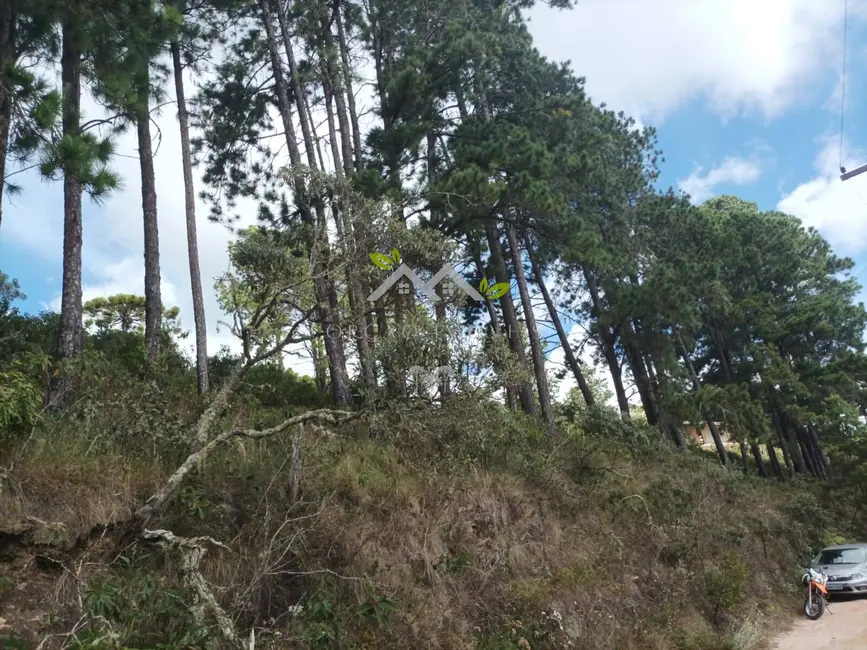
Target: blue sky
{"type": "Point", "coordinates": [745, 96]}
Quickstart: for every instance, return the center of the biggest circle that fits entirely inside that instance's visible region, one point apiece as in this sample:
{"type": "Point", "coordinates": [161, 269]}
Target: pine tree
{"type": "Point", "coordinates": [89, 32]}
{"type": "Point", "coordinates": [203, 380]}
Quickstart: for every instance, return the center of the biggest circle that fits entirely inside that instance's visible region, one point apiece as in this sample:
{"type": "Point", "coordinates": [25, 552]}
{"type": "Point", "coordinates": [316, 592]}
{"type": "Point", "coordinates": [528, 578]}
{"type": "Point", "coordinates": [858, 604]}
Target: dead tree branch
{"type": "Point", "coordinates": [153, 505]}
{"type": "Point", "coordinates": [244, 332]}
{"type": "Point", "coordinates": [192, 550]}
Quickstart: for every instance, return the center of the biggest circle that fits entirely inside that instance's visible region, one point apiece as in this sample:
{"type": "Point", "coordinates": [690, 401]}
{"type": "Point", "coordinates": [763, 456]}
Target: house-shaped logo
{"type": "Point", "coordinates": [447, 272]}
{"type": "Point", "coordinates": [450, 272]}
{"type": "Point", "coordinates": [403, 271]}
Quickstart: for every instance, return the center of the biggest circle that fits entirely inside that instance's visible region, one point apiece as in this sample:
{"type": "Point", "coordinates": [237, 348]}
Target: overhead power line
{"type": "Point", "coordinates": [844, 175]}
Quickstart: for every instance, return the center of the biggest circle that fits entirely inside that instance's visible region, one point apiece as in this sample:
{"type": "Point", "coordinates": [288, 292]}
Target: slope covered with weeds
{"type": "Point", "coordinates": [416, 527]}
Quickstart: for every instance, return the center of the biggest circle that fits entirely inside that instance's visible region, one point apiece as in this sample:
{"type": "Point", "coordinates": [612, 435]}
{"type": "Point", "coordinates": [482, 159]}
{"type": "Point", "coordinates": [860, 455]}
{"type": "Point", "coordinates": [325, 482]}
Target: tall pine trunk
{"type": "Point", "coordinates": [532, 333]}
{"type": "Point", "coordinates": [510, 316]}
{"type": "Point", "coordinates": [744, 456]}
{"type": "Point", "coordinates": [297, 85]}
{"type": "Point", "coordinates": [760, 463]}
{"type": "Point", "coordinates": [324, 283]}
{"type": "Point", "coordinates": [658, 382]}
{"type": "Point", "coordinates": [332, 129]}
{"type": "Point", "coordinates": [807, 455]}
{"type": "Point", "coordinates": [350, 93]}
{"type": "Point", "coordinates": [378, 57]}
{"type": "Point", "coordinates": [787, 459]}
{"type": "Point", "coordinates": [511, 398]}
{"type": "Point", "coordinates": [813, 452]}
{"type": "Point", "coordinates": [7, 60]}
{"type": "Point", "coordinates": [696, 386]}
{"type": "Point", "coordinates": [606, 340]}
{"type": "Point", "coordinates": [323, 274]}
{"type": "Point", "coordinates": [820, 452]}
{"type": "Point", "coordinates": [317, 355]}
{"type": "Point", "coordinates": [345, 232]}
{"type": "Point", "coordinates": [639, 373]}
{"type": "Point", "coordinates": [153, 298]}
{"type": "Point", "coordinates": [724, 356]}
{"type": "Point", "coordinates": [571, 361]}
{"type": "Point", "coordinates": [71, 332]}
{"type": "Point", "coordinates": [353, 163]}
{"type": "Point", "coordinates": [775, 462]}
{"type": "Point", "coordinates": [791, 451]}
{"type": "Point", "coordinates": [333, 80]}
{"type": "Point", "coordinates": [615, 368]}
{"type": "Point", "coordinates": [442, 337]}
{"type": "Point", "coordinates": [202, 376]}
{"type": "Point", "coordinates": [318, 244]}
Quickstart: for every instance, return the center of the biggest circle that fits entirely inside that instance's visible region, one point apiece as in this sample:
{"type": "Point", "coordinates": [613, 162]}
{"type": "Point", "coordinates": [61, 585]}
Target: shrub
{"type": "Point", "coordinates": [725, 586]}
{"type": "Point", "coordinates": [20, 400]}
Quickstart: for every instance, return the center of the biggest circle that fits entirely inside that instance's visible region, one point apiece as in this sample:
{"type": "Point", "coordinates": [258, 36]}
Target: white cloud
{"type": "Point", "coordinates": [837, 209]}
{"type": "Point", "coordinates": [113, 238]}
{"type": "Point", "coordinates": [732, 170]}
{"type": "Point", "coordinates": [648, 57]}
{"type": "Point", "coordinates": [113, 258]}
{"type": "Point", "coordinates": [839, 97]}
{"type": "Point", "coordinates": [124, 276]}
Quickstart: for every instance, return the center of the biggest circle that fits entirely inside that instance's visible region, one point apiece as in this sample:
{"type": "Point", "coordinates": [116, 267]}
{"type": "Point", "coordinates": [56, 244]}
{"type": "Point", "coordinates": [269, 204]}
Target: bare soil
{"type": "Point", "coordinates": [843, 627]}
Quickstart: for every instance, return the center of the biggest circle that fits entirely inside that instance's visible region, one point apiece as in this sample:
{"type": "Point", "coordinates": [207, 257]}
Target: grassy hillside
{"type": "Point", "coordinates": [416, 526]}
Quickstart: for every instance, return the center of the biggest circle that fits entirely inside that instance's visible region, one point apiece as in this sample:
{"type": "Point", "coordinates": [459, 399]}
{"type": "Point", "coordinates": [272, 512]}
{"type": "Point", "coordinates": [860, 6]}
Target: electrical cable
{"type": "Point", "coordinates": [843, 89]}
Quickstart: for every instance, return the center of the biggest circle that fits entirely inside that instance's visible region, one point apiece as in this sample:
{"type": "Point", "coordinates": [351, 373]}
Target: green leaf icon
{"type": "Point", "coordinates": [382, 261]}
{"type": "Point", "coordinates": [483, 286]}
{"type": "Point", "coordinates": [498, 290]}
{"type": "Point", "coordinates": [395, 256]}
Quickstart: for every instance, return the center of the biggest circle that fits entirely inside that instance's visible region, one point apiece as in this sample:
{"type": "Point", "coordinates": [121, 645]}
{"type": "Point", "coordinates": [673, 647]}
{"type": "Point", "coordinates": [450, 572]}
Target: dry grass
{"type": "Point", "coordinates": [72, 488]}
{"type": "Point", "coordinates": [479, 534]}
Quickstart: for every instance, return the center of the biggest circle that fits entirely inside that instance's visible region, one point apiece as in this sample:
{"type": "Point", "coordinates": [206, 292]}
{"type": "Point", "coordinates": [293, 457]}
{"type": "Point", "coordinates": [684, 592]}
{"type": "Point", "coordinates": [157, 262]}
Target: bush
{"type": "Point", "coordinates": [20, 401]}
{"type": "Point", "coordinates": [276, 388]}
{"type": "Point", "coordinates": [725, 585]}
{"type": "Point", "coordinates": [136, 606]}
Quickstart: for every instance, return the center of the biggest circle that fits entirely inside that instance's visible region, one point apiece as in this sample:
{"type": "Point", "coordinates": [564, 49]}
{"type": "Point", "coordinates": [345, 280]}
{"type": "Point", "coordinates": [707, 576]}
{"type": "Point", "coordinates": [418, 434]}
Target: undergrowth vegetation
{"type": "Point", "coordinates": [423, 526]}
{"type": "Point", "coordinates": [429, 487]}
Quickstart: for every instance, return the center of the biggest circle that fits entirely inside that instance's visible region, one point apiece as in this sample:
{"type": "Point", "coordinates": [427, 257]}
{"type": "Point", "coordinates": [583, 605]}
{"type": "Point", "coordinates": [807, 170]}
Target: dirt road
{"type": "Point", "coordinates": [844, 629]}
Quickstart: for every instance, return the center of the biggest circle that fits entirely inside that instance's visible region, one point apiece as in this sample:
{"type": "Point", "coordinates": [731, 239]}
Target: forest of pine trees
{"type": "Point", "coordinates": [436, 130]}
{"type": "Point", "coordinates": [430, 485]}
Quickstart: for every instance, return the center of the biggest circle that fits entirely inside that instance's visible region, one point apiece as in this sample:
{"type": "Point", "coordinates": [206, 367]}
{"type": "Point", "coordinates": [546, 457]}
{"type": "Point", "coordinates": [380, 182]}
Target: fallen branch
{"type": "Point", "coordinates": [193, 550]}
{"type": "Point", "coordinates": [152, 506]}
{"type": "Point", "coordinates": [250, 358]}
{"type": "Point", "coordinates": [219, 403]}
